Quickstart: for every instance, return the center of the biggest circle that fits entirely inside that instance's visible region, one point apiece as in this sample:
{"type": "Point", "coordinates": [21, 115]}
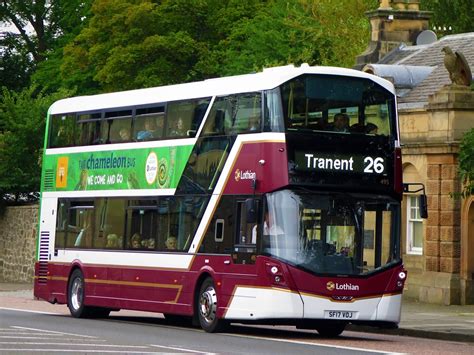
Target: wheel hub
{"type": "Point", "coordinates": [76, 294]}
{"type": "Point", "coordinates": [208, 305]}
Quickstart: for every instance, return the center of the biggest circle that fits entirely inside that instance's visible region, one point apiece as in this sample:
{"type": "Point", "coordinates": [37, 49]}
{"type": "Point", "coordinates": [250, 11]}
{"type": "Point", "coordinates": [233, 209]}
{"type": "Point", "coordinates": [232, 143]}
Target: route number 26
{"type": "Point", "coordinates": [373, 165]}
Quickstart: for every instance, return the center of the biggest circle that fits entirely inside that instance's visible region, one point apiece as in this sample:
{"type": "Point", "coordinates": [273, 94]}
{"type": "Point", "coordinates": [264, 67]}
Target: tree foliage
{"type": "Point", "coordinates": [41, 29]}
{"type": "Point", "coordinates": [15, 67]}
{"type": "Point", "coordinates": [130, 44]}
{"type": "Point", "coordinates": [21, 141]}
{"type": "Point", "coordinates": [456, 15]}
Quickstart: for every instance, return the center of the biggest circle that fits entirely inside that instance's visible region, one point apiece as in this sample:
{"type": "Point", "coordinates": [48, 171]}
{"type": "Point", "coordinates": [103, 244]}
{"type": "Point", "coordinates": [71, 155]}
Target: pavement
{"type": "Point", "coordinates": [422, 320]}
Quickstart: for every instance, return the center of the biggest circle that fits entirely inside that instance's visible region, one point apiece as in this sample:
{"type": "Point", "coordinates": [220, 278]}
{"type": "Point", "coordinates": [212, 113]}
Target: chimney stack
{"type": "Point", "coordinates": [393, 23]}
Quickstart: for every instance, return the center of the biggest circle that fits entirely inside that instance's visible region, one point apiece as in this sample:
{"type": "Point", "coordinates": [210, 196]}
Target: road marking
{"type": "Point", "coordinates": [180, 349]}
{"type": "Point", "coordinates": [32, 337]}
{"type": "Point", "coordinates": [332, 346]}
{"type": "Point", "coordinates": [29, 311]}
{"type": "Point", "coordinates": [455, 325]}
{"type": "Point", "coordinates": [14, 331]}
{"type": "Point", "coordinates": [86, 351]}
{"type": "Point", "coordinates": [54, 332]}
{"type": "Point", "coordinates": [70, 344]}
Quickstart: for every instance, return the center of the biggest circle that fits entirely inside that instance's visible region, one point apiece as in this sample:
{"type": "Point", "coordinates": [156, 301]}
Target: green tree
{"type": "Point", "coordinates": [317, 32]}
{"type": "Point", "coordinates": [15, 67]}
{"type": "Point", "coordinates": [43, 27]}
{"type": "Point", "coordinates": [466, 163]}
{"type": "Point", "coordinates": [22, 122]}
{"type": "Point", "coordinates": [68, 17]}
{"type": "Point", "coordinates": [131, 44]}
{"type": "Point", "coordinates": [455, 16]}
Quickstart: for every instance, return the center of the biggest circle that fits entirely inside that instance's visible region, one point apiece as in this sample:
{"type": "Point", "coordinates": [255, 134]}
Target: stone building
{"type": "Point", "coordinates": [434, 114]}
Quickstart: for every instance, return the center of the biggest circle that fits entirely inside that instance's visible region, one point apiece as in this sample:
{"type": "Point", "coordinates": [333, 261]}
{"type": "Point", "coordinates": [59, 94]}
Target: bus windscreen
{"type": "Point", "coordinates": [337, 104]}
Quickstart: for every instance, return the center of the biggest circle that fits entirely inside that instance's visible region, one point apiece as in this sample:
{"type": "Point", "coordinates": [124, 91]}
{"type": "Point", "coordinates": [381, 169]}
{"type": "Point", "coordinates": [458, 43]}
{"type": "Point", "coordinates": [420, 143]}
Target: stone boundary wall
{"type": "Point", "coordinates": [18, 232]}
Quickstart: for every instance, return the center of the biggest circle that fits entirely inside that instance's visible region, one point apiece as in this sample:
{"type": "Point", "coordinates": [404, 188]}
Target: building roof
{"type": "Point", "coordinates": [422, 56]}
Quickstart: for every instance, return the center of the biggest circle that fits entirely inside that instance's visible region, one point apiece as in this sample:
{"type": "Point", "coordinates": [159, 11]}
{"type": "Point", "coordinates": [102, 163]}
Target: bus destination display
{"type": "Point", "coordinates": [354, 163]}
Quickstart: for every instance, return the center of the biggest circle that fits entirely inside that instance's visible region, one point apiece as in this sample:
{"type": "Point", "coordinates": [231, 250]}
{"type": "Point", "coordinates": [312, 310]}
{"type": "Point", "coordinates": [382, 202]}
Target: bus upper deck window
{"type": "Point", "coordinates": [62, 130]}
{"type": "Point", "coordinates": [118, 127]}
{"type": "Point", "coordinates": [149, 123]}
{"type": "Point", "coordinates": [89, 127]}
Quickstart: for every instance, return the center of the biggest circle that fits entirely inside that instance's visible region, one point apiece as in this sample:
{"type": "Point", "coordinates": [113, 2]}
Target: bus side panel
{"type": "Point", "coordinates": [258, 160]}
{"type": "Point", "coordinates": [249, 291]}
{"type": "Point", "coordinates": [144, 282]}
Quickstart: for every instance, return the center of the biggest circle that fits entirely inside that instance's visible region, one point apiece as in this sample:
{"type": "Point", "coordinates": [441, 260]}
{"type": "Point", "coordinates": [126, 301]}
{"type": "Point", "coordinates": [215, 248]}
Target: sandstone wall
{"type": "Point", "coordinates": [18, 232]}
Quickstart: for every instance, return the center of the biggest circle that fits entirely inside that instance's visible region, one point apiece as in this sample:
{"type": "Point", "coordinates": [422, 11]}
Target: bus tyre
{"type": "Point", "coordinates": [179, 320]}
{"type": "Point", "coordinates": [331, 330]}
{"type": "Point", "coordinates": [75, 296]}
{"type": "Point", "coordinates": [207, 308]}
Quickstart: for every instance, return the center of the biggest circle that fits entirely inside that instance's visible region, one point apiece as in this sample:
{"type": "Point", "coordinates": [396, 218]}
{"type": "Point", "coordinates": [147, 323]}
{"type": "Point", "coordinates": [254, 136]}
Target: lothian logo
{"type": "Point", "coordinates": [237, 175]}
{"type": "Point", "coordinates": [331, 286]}
{"type": "Point", "coordinates": [244, 175]}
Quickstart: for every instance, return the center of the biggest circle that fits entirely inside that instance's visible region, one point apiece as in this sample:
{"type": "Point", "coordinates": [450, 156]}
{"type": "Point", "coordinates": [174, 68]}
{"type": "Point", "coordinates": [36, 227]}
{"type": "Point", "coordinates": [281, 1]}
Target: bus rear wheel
{"type": "Point", "coordinates": [331, 330]}
{"type": "Point", "coordinates": [75, 299]}
{"type": "Point", "coordinates": [207, 308]}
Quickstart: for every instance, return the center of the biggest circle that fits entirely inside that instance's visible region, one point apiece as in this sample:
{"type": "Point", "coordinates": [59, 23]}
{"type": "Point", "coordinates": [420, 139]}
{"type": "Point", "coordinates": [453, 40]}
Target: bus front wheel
{"type": "Point", "coordinates": [207, 308]}
{"type": "Point", "coordinates": [331, 330]}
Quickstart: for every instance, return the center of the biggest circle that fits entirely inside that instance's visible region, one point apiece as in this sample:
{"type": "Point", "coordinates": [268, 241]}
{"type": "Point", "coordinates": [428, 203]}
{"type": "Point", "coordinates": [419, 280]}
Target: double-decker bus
{"type": "Point", "coordinates": [268, 198]}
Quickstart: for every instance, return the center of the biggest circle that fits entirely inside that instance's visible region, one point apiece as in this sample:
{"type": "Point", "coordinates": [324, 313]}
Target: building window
{"type": "Point", "coordinates": [414, 226]}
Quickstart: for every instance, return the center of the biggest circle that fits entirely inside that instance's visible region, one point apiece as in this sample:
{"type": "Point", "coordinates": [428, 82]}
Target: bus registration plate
{"type": "Point", "coordinates": [340, 314]}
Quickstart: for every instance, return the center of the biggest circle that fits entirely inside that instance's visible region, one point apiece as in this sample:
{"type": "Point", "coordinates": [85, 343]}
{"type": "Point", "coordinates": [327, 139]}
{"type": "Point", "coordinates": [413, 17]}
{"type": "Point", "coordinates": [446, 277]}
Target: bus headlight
{"type": "Point", "coordinates": [402, 275]}
{"type": "Point", "coordinates": [275, 273]}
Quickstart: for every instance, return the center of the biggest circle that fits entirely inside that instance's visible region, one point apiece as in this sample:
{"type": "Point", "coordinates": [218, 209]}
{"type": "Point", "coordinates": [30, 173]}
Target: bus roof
{"type": "Point", "coordinates": [265, 80]}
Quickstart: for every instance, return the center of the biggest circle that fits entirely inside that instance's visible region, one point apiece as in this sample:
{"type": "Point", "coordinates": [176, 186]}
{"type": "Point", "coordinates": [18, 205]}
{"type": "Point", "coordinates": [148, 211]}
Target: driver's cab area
{"type": "Point", "coordinates": [331, 233]}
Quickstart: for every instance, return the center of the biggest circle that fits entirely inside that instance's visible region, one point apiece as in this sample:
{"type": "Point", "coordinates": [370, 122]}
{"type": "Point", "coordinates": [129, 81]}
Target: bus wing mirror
{"type": "Point", "coordinates": [423, 203]}
{"type": "Point", "coordinates": [251, 207]}
{"type": "Point", "coordinates": [422, 200]}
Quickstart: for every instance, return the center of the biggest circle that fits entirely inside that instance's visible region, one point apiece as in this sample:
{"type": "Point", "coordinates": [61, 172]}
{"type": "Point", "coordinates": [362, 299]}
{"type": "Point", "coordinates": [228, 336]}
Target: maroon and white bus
{"type": "Point", "coordinates": [269, 198]}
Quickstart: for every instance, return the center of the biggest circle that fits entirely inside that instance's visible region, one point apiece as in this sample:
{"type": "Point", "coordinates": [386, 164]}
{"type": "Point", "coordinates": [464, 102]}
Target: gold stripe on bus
{"type": "Point", "coordinates": [122, 266]}
{"type": "Point", "coordinates": [51, 278]}
{"type": "Point", "coordinates": [380, 295]}
{"type": "Point", "coordinates": [179, 288]}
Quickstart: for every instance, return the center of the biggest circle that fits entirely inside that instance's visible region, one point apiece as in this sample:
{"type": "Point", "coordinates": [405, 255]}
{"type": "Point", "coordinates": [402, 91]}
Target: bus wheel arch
{"type": "Point", "coordinates": [76, 295]}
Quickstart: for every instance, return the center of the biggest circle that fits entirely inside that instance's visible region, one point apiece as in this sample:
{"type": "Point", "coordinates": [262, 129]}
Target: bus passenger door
{"type": "Point", "coordinates": [239, 275]}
